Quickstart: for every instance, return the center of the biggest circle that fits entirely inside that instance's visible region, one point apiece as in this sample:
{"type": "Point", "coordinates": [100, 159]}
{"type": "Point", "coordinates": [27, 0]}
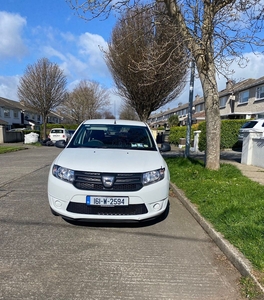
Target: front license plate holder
{"type": "Point", "coordinates": [106, 201]}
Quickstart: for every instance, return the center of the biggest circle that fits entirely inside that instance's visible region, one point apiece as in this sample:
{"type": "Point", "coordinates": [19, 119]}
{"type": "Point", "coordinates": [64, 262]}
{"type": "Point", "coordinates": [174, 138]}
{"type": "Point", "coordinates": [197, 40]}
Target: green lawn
{"type": "Point", "coordinates": [5, 149]}
{"type": "Point", "coordinates": [230, 201]}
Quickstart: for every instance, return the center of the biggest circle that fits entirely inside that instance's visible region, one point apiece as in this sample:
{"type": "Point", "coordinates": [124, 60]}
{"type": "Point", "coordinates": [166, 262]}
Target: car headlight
{"type": "Point", "coordinates": [63, 173]}
{"type": "Point", "coordinates": [153, 176]}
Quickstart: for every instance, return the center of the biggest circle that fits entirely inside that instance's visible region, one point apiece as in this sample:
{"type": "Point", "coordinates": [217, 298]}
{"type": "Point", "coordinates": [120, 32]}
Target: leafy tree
{"type": "Point", "coordinates": [42, 88]}
{"type": "Point", "coordinates": [173, 120]}
{"type": "Point", "coordinates": [88, 100]}
{"type": "Point", "coordinates": [216, 32]}
{"type": "Point", "coordinates": [147, 60]}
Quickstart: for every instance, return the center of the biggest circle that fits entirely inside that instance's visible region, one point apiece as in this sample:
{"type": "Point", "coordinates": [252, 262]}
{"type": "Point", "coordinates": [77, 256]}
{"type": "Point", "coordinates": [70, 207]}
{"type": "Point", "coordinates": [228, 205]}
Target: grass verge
{"type": "Point", "coordinates": [232, 203]}
{"type": "Point", "coordinates": [5, 148]}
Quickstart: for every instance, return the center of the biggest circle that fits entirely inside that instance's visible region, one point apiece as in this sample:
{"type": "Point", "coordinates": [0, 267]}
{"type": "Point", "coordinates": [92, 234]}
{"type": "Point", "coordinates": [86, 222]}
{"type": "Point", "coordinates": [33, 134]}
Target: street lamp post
{"type": "Point", "coordinates": [189, 119]}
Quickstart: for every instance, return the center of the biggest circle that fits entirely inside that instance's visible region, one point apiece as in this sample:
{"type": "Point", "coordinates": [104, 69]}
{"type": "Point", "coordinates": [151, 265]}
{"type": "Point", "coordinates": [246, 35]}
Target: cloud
{"type": "Point", "coordinates": [11, 43]}
{"type": "Point", "coordinates": [253, 69]}
{"type": "Point", "coordinates": [92, 47]}
{"type": "Point", "coordinates": [8, 87]}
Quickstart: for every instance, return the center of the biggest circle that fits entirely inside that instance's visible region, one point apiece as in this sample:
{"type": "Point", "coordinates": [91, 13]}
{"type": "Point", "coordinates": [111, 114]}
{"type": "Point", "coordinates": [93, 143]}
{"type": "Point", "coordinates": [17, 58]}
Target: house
{"type": "Point", "coordinates": [242, 100]}
{"type": "Point", "coordinates": [161, 118]}
{"type": "Point", "coordinates": [14, 114]}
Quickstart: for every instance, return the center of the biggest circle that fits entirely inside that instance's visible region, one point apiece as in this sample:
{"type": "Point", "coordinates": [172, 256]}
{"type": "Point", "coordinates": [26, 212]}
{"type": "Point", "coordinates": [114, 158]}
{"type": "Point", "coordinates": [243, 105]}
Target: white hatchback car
{"type": "Point", "coordinates": [111, 170]}
{"type": "Point", "coordinates": [252, 125]}
{"type": "Point", "coordinates": [57, 134]}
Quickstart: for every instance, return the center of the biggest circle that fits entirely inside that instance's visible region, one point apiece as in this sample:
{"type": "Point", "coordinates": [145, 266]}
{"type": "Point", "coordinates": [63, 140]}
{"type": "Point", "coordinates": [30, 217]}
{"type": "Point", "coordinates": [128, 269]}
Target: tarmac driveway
{"type": "Point", "coordinates": [45, 257]}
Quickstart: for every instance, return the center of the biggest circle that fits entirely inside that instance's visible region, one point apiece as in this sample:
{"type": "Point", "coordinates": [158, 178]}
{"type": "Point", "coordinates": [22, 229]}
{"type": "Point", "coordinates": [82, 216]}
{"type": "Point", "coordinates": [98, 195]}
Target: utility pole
{"type": "Point", "coordinates": [189, 119]}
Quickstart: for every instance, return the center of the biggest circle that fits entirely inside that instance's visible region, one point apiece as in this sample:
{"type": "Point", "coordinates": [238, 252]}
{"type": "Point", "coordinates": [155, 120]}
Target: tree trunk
{"type": "Point", "coordinates": [213, 121]}
{"type": "Point", "coordinates": [44, 126]}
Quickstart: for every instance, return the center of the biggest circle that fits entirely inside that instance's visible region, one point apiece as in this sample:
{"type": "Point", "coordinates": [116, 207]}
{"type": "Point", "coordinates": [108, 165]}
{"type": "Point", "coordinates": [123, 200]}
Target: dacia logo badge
{"type": "Point", "coordinates": [108, 181]}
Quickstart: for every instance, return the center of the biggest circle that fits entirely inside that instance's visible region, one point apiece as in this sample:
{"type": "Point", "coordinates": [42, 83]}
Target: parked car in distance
{"type": "Point", "coordinates": [57, 134]}
{"type": "Point", "coordinates": [251, 125]}
{"type": "Point", "coordinates": [111, 170]}
{"type": "Point", "coordinates": [17, 129]}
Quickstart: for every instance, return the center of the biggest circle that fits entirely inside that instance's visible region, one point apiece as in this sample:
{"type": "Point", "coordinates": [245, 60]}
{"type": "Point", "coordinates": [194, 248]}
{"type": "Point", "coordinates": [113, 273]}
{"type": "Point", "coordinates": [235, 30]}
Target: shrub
{"type": "Point", "coordinates": [229, 133]}
{"type": "Point", "coordinates": [179, 132]}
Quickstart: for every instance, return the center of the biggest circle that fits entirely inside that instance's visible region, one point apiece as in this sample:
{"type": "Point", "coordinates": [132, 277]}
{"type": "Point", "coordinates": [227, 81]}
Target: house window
{"type": "Point", "coordinates": [243, 96]}
{"type": "Point", "coordinates": [15, 114]}
{"type": "Point", "coordinates": [7, 113]}
{"type": "Point", "coordinates": [200, 107]}
{"type": "Point", "coordinates": [260, 92]}
{"type": "Point", "coordinates": [223, 101]}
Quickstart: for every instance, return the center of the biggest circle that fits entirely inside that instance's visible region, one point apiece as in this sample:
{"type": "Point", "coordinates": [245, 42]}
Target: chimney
{"type": "Point", "coordinates": [229, 84]}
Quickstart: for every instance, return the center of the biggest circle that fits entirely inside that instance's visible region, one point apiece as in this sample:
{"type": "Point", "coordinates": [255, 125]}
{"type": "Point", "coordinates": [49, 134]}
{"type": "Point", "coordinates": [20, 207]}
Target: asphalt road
{"type": "Point", "coordinates": [45, 257]}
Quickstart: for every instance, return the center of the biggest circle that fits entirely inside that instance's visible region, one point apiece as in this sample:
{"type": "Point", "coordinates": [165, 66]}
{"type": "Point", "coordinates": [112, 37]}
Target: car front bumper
{"type": "Point", "coordinates": [69, 202]}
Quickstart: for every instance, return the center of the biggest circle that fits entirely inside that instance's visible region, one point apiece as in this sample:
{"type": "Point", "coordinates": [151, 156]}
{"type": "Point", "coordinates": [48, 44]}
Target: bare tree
{"type": "Point", "coordinates": [107, 115]}
{"type": "Point", "coordinates": [127, 112]}
{"type": "Point", "coordinates": [216, 33]}
{"type": "Point", "coordinates": [147, 60]}
{"type": "Point", "coordinates": [87, 101]}
{"type": "Point", "coordinates": [42, 88]}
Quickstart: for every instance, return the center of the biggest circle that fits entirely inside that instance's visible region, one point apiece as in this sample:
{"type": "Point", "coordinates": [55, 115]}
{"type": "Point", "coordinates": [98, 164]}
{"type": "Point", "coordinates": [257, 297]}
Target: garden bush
{"type": "Point", "coordinates": [229, 134]}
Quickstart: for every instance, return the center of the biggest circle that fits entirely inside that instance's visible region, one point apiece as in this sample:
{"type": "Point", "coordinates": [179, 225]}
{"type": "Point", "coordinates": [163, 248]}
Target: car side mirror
{"type": "Point", "coordinates": [165, 147]}
{"type": "Point", "coordinates": [60, 144]}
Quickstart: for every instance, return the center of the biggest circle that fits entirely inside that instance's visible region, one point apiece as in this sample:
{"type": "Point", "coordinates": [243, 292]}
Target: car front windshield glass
{"type": "Point", "coordinates": [113, 136]}
{"type": "Point", "coordinates": [249, 124]}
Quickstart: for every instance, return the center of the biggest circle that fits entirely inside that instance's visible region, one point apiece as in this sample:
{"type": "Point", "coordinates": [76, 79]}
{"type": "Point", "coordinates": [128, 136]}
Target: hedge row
{"type": "Point", "coordinates": [229, 133]}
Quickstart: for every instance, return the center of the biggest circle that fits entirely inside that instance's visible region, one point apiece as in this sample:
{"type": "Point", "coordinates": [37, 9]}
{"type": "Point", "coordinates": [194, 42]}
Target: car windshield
{"type": "Point", "coordinates": [113, 136]}
{"type": "Point", "coordinates": [249, 124]}
{"type": "Point", "coordinates": [56, 131]}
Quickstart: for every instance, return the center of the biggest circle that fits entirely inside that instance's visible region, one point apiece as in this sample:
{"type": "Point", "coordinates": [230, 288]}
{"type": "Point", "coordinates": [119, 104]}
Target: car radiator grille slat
{"type": "Point", "coordinates": [93, 181]}
{"type": "Point", "coordinates": [82, 208]}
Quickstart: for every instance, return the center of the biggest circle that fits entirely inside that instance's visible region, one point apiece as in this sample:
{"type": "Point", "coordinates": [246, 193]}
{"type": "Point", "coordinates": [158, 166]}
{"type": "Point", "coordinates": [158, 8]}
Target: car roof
{"type": "Point", "coordinates": [115, 122]}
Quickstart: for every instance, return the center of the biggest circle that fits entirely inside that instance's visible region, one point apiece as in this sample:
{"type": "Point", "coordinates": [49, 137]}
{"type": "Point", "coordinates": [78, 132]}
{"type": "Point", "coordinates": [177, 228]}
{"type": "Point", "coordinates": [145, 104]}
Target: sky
{"type": "Point", "coordinates": [30, 30]}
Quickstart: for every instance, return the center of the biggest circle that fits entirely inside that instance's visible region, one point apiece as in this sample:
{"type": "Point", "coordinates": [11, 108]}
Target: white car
{"type": "Point", "coordinates": [57, 134]}
{"type": "Point", "coordinates": [252, 125]}
{"type": "Point", "coordinates": [111, 170]}
{"type": "Point", "coordinates": [17, 130]}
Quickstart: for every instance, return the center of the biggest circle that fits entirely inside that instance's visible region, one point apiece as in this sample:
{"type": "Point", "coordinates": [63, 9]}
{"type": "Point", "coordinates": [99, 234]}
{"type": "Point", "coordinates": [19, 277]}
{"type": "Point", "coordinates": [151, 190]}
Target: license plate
{"type": "Point", "coordinates": [106, 201]}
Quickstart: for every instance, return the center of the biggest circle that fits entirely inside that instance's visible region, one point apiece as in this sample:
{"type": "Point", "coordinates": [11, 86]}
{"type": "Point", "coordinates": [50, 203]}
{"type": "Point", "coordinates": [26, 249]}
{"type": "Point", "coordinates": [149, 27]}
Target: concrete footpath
{"type": "Point", "coordinates": [252, 172]}
{"type": "Point", "coordinates": [44, 257]}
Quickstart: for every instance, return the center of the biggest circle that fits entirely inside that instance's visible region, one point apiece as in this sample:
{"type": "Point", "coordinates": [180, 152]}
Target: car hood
{"type": "Point", "coordinates": [110, 160]}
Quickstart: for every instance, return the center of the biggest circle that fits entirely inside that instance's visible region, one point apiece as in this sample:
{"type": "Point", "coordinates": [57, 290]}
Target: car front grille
{"type": "Point", "coordinates": [82, 208]}
{"type": "Point", "coordinates": [92, 181]}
